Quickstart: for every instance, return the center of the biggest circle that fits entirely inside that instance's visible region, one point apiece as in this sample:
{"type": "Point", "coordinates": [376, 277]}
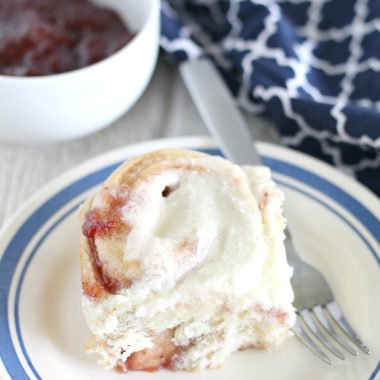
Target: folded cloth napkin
{"type": "Point", "coordinates": [312, 66]}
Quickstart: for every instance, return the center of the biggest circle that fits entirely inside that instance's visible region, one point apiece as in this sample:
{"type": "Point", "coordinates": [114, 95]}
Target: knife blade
{"type": "Point", "coordinates": [219, 112]}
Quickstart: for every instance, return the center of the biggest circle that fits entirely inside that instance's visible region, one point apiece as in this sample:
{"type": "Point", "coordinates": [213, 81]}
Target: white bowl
{"type": "Point", "coordinates": [69, 105]}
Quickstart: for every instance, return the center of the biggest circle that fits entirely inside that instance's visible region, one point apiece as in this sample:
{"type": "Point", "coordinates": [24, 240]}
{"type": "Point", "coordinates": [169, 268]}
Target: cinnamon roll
{"type": "Point", "coordinates": [183, 263]}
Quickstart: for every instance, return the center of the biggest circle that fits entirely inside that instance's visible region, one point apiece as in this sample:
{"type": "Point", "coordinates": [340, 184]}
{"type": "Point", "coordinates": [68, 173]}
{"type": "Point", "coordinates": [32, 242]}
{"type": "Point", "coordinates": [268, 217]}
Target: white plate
{"type": "Point", "coordinates": [42, 330]}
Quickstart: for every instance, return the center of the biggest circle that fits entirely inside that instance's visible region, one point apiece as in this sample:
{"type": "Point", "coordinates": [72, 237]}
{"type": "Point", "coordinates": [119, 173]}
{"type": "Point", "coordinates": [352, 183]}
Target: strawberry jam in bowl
{"type": "Point", "coordinates": [53, 36]}
{"type": "Point", "coordinates": [75, 66]}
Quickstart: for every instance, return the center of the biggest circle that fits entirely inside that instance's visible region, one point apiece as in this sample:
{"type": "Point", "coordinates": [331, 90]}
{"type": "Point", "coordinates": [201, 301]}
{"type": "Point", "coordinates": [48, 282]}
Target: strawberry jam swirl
{"type": "Point", "coordinates": [162, 354]}
{"type": "Point", "coordinates": [105, 222]}
{"type": "Point", "coordinates": [43, 37]}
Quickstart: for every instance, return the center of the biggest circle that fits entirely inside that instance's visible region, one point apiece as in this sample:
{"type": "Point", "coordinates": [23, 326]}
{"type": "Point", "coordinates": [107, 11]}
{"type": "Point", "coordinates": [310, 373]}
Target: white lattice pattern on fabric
{"type": "Point", "coordinates": [296, 61]}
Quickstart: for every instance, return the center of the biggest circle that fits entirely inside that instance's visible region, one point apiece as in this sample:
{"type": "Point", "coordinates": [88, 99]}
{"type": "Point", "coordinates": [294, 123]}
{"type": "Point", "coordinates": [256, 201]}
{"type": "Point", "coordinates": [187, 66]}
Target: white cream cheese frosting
{"type": "Point", "coordinates": [209, 240]}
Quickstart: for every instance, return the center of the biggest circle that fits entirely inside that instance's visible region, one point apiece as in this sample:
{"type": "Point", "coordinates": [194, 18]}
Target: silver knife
{"type": "Point", "coordinates": [227, 126]}
{"type": "Point", "coordinates": [223, 120]}
{"type": "Point", "coordinates": [219, 112]}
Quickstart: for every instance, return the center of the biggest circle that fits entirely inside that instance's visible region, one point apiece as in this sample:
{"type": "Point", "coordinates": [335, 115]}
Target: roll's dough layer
{"type": "Point", "coordinates": [183, 263]}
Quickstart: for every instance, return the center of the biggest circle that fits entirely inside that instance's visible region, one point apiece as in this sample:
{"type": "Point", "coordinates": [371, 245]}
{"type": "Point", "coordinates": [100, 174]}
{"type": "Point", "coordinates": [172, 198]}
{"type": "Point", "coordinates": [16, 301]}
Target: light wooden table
{"type": "Point", "coordinates": [164, 110]}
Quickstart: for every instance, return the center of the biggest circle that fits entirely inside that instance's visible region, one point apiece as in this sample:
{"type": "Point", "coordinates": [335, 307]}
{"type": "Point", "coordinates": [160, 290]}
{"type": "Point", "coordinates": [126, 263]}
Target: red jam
{"type": "Point", "coordinates": [100, 223]}
{"type": "Point", "coordinates": [95, 226]}
{"type": "Point", "coordinates": [42, 37]}
{"type": "Point", "coordinates": [97, 223]}
{"type": "Point", "coordinates": [160, 355]}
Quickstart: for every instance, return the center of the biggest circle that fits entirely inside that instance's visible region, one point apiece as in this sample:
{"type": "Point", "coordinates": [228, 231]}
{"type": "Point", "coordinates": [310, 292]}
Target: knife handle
{"type": "Point", "coordinates": [219, 111]}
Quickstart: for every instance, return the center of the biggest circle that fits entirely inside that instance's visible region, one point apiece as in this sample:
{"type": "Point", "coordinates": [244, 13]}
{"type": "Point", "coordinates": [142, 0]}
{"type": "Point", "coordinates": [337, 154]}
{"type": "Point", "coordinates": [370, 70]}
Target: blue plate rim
{"type": "Point", "coordinates": [55, 203]}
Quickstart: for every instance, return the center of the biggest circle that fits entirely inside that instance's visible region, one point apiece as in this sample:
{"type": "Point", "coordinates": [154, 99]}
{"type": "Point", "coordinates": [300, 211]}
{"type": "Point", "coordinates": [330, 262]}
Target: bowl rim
{"type": "Point", "coordinates": [94, 66]}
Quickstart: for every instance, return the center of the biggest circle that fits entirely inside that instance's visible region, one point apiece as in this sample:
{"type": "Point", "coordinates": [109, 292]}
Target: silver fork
{"type": "Point", "coordinates": [320, 324]}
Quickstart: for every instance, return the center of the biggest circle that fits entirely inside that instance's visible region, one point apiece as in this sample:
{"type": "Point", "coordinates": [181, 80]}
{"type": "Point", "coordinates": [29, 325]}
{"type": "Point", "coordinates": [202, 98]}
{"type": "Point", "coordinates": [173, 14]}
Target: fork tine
{"type": "Point", "coordinates": [310, 321]}
{"type": "Point", "coordinates": [334, 311]}
{"type": "Point", "coordinates": [301, 334]}
{"type": "Point", "coordinates": [325, 322]}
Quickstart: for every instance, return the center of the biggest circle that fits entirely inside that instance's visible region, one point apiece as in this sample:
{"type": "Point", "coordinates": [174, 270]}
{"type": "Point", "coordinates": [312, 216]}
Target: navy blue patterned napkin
{"type": "Point", "coordinates": [313, 67]}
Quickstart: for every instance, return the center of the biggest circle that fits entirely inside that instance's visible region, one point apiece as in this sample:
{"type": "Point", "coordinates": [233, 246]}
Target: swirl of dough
{"type": "Point", "coordinates": [175, 239]}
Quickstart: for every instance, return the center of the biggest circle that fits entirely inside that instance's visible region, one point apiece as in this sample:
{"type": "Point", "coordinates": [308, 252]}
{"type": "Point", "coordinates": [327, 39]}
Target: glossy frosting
{"type": "Point", "coordinates": [206, 237]}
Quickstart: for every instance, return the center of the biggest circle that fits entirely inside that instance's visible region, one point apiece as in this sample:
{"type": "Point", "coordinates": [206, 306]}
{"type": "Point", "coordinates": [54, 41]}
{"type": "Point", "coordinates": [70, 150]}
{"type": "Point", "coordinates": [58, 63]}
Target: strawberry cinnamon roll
{"type": "Point", "coordinates": [183, 263]}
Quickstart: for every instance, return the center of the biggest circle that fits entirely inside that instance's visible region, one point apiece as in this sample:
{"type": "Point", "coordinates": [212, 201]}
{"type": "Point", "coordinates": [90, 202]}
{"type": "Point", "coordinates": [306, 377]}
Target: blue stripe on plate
{"type": "Point", "coordinates": [17, 246]}
{"type": "Point", "coordinates": [31, 226]}
{"type": "Point", "coordinates": [375, 372]}
{"type": "Point", "coordinates": [21, 281]}
{"type": "Point", "coordinates": [366, 217]}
